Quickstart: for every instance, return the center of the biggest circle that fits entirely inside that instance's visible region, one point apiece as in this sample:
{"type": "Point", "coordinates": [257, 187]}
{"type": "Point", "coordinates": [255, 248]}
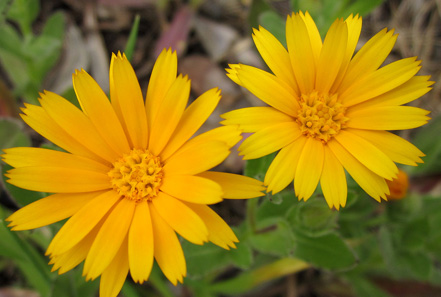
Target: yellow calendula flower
{"type": "Point", "coordinates": [329, 109]}
{"type": "Point", "coordinates": [131, 176]}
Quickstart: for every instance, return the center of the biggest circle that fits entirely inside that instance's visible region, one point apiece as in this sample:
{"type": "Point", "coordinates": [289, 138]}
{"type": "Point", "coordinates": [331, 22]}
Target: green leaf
{"type": "Point", "coordinates": [417, 265]}
{"type": "Point", "coordinates": [270, 210]}
{"type": "Point", "coordinates": [55, 26]}
{"type": "Point", "coordinates": [275, 24]}
{"type": "Point", "coordinates": [24, 12]}
{"type": "Point", "coordinates": [26, 257]}
{"type": "Point", "coordinates": [327, 251]}
{"type": "Point", "coordinates": [415, 233]}
{"type": "Point", "coordinates": [257, 8]}
{"type": "Point", "coordinates": [363, 287]}
{"type": "Point", "coordinates": [242, 256]}
{"type": "Point", "coordinates": [130, 46]}
{"type": "Point", "coordinates": [277, 241]}
{"type": "Point", "coordinates": [11, 133]}
{"type": "Point", "coordinates": [362, 7]}
{"type": "Point", "coordinates": [257, 168]}
{"type": "Point", "coordinates": [429, 145]}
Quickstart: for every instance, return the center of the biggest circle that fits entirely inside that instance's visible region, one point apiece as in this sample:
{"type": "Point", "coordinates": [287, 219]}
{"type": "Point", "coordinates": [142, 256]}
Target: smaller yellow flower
{"type": "Point", "coordinates": [131, 177]}
{"type": "Point", "coordinates": [329, 109]}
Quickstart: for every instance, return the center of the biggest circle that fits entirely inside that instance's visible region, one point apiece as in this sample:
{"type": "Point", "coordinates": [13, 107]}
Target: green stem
{"type": "Point", "coordinates": [251, 214]}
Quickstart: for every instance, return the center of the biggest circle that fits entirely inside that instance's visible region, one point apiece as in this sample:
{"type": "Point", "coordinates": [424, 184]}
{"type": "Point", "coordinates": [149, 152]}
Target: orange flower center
{"type": "Point", "coordinates": [321, 116]}
{"type": "Point", "coordinates": [137, 175]}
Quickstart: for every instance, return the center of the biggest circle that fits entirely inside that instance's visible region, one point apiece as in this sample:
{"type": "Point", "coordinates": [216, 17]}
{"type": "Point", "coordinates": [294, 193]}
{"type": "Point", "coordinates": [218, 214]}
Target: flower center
{"type": "Point", "coordinates": [321, 116]}
{"type": "Point", "coordinates": [137, 175]}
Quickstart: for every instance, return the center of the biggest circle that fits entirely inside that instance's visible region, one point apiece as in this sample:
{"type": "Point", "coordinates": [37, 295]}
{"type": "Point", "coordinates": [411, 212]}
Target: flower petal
{"type": "Point", "coordinates": [219, 232]}
{"type": "Point", "coordinates": [283, 168]}
{"type": "Point", "coordinates": [167, 249]}
{"type": "Point", "coordinates": [331, 56]}
{"type": "Point", "coordinates": [38, 119]}
{"type": "Point", "coordinates": [181, 218]}
{"type": "Point", "coordinates": [109, 239]}
{"type": "Point", "coordinates": [193, 189]}
{"type": "Point", "coordinates": [275, 56]}
{"type": "Point", "coordinates": [76, 123]}
{"type": "Point", "coordinates": [169, 114]}
{"type": "Point", "coordinates": [127, 101]}
{"type": "Point", "coordinates": [368, 154]}
{"type": "Point", "coordinates": [269, 140]}
{"type": "Point", "coordinates": [57, 179]}
{"type": "Point", "coordinates": [32, 157]}
{"type": "Point", "coordinates": [163, 75]}
{"type": "Point", "coordinates": [309, 168]}
{"type": "Point", "coordinates": [81, 223]}
{"type": "Point", "coordinates": [369, 58]}
{"type": "Point", "coordinates": [396, 148]}
{"type": "Point", "coordinates": [381, 81]}
{"type": "Point", "coordinates": [192, 119]}
{"type": "Point", "coordinates": [235, 186]}
{"type": "Point", "coordinates": [373, 184]}
{"type": "Point", "coordinates": [302, 54]}
{"type": "Point", "coordinates": [114, 276]}
{"type": "Point", "coordinates": [253, 119]}
{"type": "Point", "coordinates": [268, 88]}
{"type": "Point", "coordinates": [141, 243]}
{"type": "Point", "coordinates": [386, 117]}
{"type": "Point", "coordinates": [49, 210]}
{"type": "Point", "coordinates": [97, 107]}
{"type": "Point", "coordinates": [333, 181]}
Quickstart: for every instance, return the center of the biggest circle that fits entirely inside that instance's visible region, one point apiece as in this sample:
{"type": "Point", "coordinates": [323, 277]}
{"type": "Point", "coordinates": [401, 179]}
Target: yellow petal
{"type": "Point", "coordinates": [369, 58]}
{"type": "Point", "coordinates": [141, 243]}
{"type": "Point", "coordinates": [114, 276]}
{"type": "Point", "coordinates": [354, 29]}
{"type": "Point", "coordinates": [302, 53]}
{"type": "Point", "coordinates": [192, 119]}
{"type": "Point", "coordinates": [181, 218]}
{"type": "Point", "coordinates": [314, 34]}
{"type": "Point", "coordinates": [38, 119]}
{"type": "Point", "coordinates": [232, 73]}
{"type": "Point", "coordinates": [169, 114]}
{"type": "Point", "coordinates": [167, 249]}
{"type": "Point", "coordinates": [58, 179]}
{"type": "Point", "coordinates": [412, 89]}
{"type": "Point", "coordinates": [163, 75]}
{"type": "Point", "coordinates": [275, 56]}
{"type": "Point", "coordinates": [73, 257]}
{"type": "Point", "coordinates": [49, 210]}
{"type": "Point", "coordinates": [193, 189]}
{"type": "Point", "coordinates": [371, 183]}
{"type": "Point", "coordinates": [269, 88]}
{"type": "Point", "coordinates": [309, 168]}
{"type": "Point", "coordinates": [228, 134]}
{"type": "Point", "coordinates": [331, 56]}
{"type": "Point", "coordinates": [396, 148]}
{"type": "Point", "coordinates": [387, 117]}
{"type": "Point", "coordinates": [253, 119]}
{"type": "Point", "coordinates": [283, 168]}
{"type": "Point", "coordinates": [31, 156]}
{"type": "Point", "coordinates": [381, 81]}
{"type": "Point", "coordinates": [269, 140]}
{"type": "Point", "coordinates": [368, 154]}
{"type": "Point", "coordinates": [333, 181]}
{"type": "Point", "coordinates": [97, 107]}
{"type": "Point", "coordinates": [127, 101]}
{"type": "Point", "coordinates": [235, 186]}
{"type": "Point", "coordinates": [219, 232]}
{"type": "Point", "coordinates": [81, 223]}
{"type": "Point", "coordinates": [109, 239]}
{"type": "Point", "coordinates": [193, 159]}
{"type": "Point", "coordinates": [76, 123]}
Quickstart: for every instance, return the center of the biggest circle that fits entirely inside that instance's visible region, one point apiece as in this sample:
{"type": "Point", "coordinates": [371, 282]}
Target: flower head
{"type": "Point", "coordinates": [329, 109]}
{"type": "Point", "coordinates": [131, 176]}
{"type": "Point", "coordinates": [398, 186]}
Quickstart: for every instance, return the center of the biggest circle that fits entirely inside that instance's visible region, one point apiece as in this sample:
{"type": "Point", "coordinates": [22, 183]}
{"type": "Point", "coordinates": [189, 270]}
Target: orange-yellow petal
{"type": "Point", "coordinates": [333, 181]}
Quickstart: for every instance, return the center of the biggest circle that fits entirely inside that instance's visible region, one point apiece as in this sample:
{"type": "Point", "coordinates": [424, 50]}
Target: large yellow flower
{"type": "Point", "coordinates": [329, 109]}
{"type": "Point", "coordinates": [131, 177]}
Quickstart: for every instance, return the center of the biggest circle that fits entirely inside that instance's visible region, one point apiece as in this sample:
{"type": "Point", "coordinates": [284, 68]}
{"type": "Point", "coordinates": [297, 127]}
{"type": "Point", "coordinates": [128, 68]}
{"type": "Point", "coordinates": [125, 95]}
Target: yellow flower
{"type": "Point", "coordinates": [132, 176]}
{"type": "Point", "coordinates": [329, 110]}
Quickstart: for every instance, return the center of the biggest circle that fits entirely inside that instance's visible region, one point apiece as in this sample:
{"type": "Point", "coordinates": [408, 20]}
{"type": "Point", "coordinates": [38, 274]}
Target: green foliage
{"type": "Point", "coordinates": [131, 42]}
{"type": "Point", "coordinates": [27, 57]}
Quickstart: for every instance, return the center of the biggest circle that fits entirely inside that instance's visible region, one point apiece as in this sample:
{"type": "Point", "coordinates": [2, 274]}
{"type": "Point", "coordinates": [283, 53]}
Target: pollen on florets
{"type": "Point", "coordinates": [321, 116]}
{"type": "Point", "coordinates": [137, 175]}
